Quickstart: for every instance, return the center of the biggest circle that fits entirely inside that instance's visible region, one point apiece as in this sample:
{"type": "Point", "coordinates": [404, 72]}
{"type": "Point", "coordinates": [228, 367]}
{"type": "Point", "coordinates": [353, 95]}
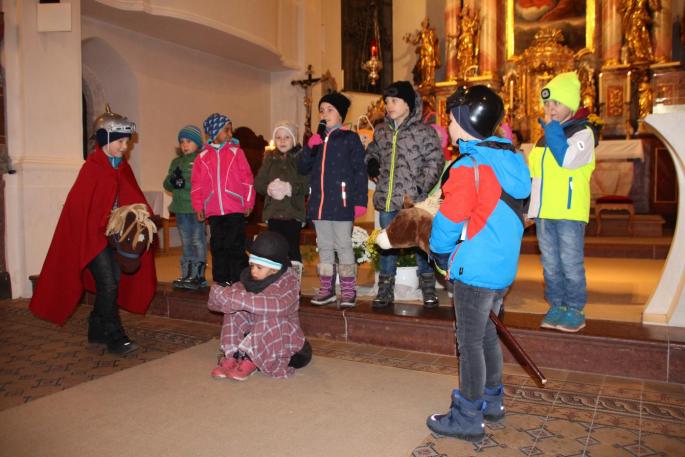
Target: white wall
{"type": "Point", "coordinates": [43, 112]}
{"type": "Point", "coordinates": [175, 86]}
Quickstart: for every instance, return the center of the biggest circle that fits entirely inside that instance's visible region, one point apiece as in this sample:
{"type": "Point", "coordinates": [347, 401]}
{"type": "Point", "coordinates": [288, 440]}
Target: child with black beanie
{"type": "Point", "coordinates": [261, 328]}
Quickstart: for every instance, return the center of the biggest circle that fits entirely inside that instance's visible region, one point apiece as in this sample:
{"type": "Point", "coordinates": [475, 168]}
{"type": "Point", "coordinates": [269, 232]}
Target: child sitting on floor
{"type": "Point", "coordinates": [261, 328]}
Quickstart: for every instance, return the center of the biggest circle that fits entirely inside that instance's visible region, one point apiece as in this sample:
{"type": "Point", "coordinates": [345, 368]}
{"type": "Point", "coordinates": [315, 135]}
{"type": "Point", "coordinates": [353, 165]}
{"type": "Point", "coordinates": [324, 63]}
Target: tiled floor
{"type": "Point", "coordinates": [577, 414]}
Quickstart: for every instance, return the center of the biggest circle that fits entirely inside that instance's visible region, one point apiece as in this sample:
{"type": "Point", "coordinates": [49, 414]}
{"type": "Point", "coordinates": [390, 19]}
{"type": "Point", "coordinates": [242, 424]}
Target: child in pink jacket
{"type": "Point", "coordinates": [222, 191]}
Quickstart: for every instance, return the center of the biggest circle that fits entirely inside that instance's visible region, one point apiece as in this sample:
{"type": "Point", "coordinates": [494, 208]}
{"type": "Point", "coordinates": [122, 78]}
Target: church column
{"type": "Point", "coordinates": [663, 33]}
{"type": "Point", "coordinates": [487, 10]}
{"type": "Point", "coordinates": [42, 64]}
{"type": "Point", "coordinates": [611, 31]}
{"type": "Point", "coordinates": [452, 9]}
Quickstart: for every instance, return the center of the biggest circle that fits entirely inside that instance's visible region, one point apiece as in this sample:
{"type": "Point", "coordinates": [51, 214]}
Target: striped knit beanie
{"type": "Point", "coordinates": [192, 133]}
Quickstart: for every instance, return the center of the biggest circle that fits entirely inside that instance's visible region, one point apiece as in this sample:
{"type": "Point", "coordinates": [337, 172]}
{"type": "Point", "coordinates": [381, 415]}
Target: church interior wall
{"type": "Point", "coordinates": [177, 86]}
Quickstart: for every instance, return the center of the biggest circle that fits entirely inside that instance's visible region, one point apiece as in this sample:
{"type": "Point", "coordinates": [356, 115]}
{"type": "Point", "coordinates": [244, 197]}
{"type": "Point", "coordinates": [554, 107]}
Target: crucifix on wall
{"type": "Point", "coordinates": [307, 84]}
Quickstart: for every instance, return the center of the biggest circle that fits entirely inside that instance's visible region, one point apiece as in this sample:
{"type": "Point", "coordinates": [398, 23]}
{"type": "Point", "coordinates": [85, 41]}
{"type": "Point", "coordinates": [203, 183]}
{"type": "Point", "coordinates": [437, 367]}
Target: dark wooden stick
{"type": "Point", "coordinates": [517, 351]}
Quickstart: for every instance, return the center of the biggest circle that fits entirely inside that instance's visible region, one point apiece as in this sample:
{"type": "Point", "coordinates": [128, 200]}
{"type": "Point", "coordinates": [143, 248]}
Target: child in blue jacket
{"type": "Point", "coordinates": [476, 239]}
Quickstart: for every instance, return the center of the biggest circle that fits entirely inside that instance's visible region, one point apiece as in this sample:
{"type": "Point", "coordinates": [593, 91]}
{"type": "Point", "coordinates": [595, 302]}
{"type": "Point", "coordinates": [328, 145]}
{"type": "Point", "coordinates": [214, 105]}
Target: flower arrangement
{"type": "Point", "coordinates": [360, 244]}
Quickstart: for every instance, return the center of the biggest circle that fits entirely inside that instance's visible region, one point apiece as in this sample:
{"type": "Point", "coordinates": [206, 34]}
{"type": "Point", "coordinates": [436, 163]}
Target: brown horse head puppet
{"type": "Point", "coordinates": [412, 225]}
{"type": "Point", "coordinates": [130, 232]}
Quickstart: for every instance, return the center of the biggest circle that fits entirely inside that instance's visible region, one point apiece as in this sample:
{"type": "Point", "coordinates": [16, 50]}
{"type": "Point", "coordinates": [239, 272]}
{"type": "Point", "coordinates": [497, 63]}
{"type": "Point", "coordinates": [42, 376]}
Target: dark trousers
{"type": "Point", "coordinates": [227, 243]}
{"type": "Point", "coordinates": [290, 229]}
{"type": "Point", "coordinates": [106, 273]}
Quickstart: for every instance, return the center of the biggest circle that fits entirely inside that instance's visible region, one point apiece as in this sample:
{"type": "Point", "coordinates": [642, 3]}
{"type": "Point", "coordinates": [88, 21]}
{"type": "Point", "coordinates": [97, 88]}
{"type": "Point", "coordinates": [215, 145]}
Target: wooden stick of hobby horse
{"type": "Point", "coordinates": [517, 351]}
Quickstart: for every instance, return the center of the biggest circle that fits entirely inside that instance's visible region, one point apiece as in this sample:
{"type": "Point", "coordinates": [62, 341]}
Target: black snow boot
{"type": "Point", "coordinates": [386, 292]}
{"type": "Point", "coordinates": [427, 284]}
{"type": "Point", "coordinates": [186, 272]}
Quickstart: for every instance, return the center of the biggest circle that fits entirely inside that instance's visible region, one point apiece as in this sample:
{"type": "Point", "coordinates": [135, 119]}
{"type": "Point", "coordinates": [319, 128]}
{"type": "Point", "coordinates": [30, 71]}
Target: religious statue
{"type": "Point", "coordinates": [467, 41]}
{"type": "Point", "coordinates": [586, 75]}
{"type": "Point", "coordinates": [645, 98]}
{"type": "Point", "coordinates": [426, 43]}
{"type": "Point", "coordinates": [637, 17]}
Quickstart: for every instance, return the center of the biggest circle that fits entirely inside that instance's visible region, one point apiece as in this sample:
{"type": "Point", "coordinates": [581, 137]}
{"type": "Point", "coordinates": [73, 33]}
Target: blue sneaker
{"type": "Point", "coordinates": [464, 420]}
{"type": "Point", "coordinates": [553, 317]}
{"type": "Point", "coordinates": [572, 321]}
{"type": "Point", "coordinates": [493, 409]}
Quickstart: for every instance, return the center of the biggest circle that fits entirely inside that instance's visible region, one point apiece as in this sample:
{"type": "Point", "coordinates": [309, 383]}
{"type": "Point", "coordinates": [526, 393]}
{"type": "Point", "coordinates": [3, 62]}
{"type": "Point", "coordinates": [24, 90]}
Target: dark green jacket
{"type": "Point", "coordinates": [181, 197]}
{"type": "Point", "coordinates": [284, 167]}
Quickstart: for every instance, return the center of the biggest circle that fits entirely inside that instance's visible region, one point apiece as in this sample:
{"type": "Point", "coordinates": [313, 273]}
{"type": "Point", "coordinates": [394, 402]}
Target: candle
{"type": "Point", "coordinates": [374, 48]}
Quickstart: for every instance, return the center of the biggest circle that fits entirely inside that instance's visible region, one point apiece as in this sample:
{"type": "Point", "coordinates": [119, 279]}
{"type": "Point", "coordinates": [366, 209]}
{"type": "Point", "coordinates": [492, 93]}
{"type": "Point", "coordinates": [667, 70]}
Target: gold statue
{"type": "Point", "coordinates": [637, 16]}
{"type": "Point", "coordinates": [586, 75]}
{"type": "Point", "coordinates": [467, 41]}
{"type": "Point", "coordinates": [645, 98]}
{"type": "Point", "coordinates": [429, 58]}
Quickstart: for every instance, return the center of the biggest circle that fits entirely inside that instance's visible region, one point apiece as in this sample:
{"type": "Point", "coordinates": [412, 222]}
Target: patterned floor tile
{"type": "Point", "coordinates": [38, 358]}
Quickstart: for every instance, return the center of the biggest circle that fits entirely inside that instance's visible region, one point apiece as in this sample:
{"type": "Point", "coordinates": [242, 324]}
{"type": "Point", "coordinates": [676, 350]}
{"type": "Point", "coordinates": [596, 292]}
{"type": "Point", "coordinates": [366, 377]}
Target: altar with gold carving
{"type": "Point", "coordinates": [620, 49]}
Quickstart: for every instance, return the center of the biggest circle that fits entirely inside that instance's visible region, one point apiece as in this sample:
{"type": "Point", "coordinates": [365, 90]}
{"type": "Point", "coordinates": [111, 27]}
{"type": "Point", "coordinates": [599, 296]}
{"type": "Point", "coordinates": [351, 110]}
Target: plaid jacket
{"type": "Point", "coordinates": [265, 325]}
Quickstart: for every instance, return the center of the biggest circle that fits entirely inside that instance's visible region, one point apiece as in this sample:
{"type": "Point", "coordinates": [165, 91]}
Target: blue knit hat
{"type": "Point", "coordinates": [213, 125]}
{"type": "Point", "coordinates": [192, 133]}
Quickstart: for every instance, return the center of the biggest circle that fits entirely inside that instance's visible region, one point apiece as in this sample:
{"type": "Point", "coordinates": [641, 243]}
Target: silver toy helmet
{"type": "Point", "coordinates": [113, 122]}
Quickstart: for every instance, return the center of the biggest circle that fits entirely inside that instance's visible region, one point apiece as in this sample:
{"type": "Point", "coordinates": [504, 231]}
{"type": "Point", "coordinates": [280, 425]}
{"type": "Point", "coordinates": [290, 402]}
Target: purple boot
{"type": "Point", "coordinates": [326, 292]}
{"type": "Point", "coordinates": [348, 289]}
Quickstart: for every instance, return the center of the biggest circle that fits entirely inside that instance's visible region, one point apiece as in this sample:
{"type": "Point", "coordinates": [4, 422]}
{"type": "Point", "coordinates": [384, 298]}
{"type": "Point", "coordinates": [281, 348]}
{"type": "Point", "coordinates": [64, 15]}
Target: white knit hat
{"type": "Point", "coordinates": [288, 127]}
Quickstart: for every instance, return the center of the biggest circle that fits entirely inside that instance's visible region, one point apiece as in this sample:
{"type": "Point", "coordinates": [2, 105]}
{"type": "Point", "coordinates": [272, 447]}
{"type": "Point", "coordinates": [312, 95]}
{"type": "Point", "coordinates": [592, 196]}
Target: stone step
{"type": "Point", "coordinates": [603, 347]}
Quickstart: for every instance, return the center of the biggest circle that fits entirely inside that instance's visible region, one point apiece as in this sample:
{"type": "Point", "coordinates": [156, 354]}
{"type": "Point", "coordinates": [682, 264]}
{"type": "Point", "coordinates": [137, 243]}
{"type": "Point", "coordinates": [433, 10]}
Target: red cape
{"type": "Point", "coordinates": [80, 236]}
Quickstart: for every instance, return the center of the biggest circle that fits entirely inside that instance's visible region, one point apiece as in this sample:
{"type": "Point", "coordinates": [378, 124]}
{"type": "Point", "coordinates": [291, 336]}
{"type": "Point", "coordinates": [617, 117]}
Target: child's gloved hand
{"type": "Point", "coordinates": [359, 211]}
{"type": "Point", "coordinates": [176, 179]}
{"type": "Point", "coordinates": [314, 141]}
{"type": "Point", "coordinates": [441, 262]}
{"type": "Point", "coordinates": [278, 189]}
{"type": "Point", "coordinates": [373, 168]}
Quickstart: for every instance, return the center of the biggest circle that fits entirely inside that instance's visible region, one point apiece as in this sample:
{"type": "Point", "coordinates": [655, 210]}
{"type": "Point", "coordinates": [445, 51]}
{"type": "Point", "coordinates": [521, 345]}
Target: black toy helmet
{"type": "Point", "coordinates": [485, 108]}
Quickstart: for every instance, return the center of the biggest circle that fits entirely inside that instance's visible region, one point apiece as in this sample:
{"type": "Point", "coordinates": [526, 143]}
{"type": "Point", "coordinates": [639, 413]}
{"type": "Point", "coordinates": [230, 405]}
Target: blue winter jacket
{"type": "Point", "coordinates": [488, 255]}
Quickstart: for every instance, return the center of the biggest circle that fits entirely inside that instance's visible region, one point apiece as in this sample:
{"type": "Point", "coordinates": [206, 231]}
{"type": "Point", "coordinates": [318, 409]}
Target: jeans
{"type": "Point", "coordinates": [193, 238]}
{"type": "Point", "coordinates": [389, 257]}
{"type": "Point", "coordinates": [227, 242]}
{"type": "Point", "coordinates": [561, 244]}
{"type": "Point", "coordinates": [480, 355]}
{"type": "Point", "coordinates": [106, 273]}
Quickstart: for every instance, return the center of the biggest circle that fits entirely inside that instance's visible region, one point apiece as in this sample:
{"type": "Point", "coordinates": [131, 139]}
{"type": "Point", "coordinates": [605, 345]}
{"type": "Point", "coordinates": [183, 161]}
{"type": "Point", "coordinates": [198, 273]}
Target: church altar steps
{"type": "Point", "coordinates": [603, 347]}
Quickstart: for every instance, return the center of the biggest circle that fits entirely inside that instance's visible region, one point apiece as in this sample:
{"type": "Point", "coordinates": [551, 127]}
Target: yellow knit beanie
{"type": "Point", "coordinates": [563, 88]}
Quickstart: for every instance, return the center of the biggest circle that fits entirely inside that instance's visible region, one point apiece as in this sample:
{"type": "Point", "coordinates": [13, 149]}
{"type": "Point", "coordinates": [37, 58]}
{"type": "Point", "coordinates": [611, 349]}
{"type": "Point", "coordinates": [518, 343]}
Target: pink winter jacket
{"type": "Point", "coordinates": [222, 182]}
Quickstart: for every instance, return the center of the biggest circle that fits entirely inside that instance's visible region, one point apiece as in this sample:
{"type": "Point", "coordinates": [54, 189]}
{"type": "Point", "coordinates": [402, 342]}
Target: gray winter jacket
{"type": "Point", "coordinates": [410, 159]}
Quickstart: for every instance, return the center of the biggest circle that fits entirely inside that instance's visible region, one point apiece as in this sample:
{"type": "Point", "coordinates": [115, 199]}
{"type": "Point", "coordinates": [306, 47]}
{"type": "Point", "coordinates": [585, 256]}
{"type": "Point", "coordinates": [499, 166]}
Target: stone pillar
{"type": "Point", "coordinates": [487, 10]}
{"type": "Point", "coordinates": [663, 33]}
{"type": "Point", "coordinates": [612, 39]}
{"type": "Point", "coordinates": [44, 133]}
{"type": "Point", "coordinates": [452, 9]}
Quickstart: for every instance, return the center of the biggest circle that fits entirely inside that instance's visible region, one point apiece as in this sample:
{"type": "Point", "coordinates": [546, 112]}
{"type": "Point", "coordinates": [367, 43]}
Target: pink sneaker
{"type": "Point", "coordinates": [226, 364]}
{"type": "Point", "coordinates": [243, 371]}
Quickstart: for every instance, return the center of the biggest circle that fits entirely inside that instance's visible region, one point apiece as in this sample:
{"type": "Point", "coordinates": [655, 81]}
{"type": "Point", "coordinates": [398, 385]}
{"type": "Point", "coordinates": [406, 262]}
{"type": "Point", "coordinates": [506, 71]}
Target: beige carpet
{"type": "Point", "coordinates": [171, 407]}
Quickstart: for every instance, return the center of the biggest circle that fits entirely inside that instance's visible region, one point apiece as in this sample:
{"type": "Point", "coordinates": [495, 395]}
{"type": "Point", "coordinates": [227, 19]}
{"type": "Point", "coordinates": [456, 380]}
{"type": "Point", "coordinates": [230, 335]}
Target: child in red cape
{"type": "Point", "coordinates": [80, 258]}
